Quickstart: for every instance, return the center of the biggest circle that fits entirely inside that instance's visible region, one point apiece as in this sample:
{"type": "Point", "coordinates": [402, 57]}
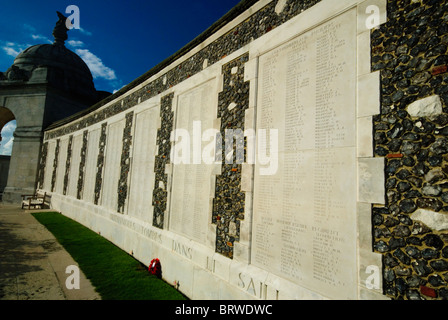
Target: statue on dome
{"type": "Point", "coordinates": [60, 30]}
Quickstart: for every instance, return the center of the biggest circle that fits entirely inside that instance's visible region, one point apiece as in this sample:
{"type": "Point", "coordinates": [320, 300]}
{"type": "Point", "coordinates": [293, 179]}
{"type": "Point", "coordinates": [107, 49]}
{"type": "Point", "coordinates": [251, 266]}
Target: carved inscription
{"type": "Point", "coordinates": [49, 164]}
{"type": "Point", "coordinates": [182, 249]}
{"type": "Point", "coordinates": [74, 166]}
{"type": "Point", "coordinates": [142, 174]}
{"type": "Point", "coordinates": [93, 141]}
{"type": "Point", "coordinates": [109, 196]}
{"type": "Point", "coordinates": [304, 215]}
{"type": "Point", "coordinates": [257, 288]}
{"type": "Point", "coordinates": [191, 193]}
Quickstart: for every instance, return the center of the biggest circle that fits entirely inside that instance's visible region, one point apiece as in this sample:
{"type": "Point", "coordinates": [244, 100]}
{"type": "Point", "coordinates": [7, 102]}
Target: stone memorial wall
{"type": "Point", "coordinates": [307, 91]}
{"type": "Point", "coordinates": [282, 155]}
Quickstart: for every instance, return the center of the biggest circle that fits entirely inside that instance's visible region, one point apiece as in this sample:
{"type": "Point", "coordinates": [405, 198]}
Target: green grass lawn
{"type": "Point", "coordinates": [115, 274]}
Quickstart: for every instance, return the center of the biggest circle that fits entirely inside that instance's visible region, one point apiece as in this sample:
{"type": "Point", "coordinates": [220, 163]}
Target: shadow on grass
{"type": "Point", "coordinates": [115, 274]}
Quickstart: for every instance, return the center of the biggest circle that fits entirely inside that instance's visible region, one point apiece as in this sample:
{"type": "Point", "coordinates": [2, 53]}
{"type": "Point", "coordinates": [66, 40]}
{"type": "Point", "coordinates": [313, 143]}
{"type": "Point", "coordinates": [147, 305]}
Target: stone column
{"type": "Point", "coordinates": [23, 169]}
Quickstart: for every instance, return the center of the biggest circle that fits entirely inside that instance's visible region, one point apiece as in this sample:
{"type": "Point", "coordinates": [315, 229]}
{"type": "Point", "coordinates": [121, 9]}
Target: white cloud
{"type": "Point", "coordinates": [6, 147]}
{"type": "Point", "coordinates": [7, 138]}
{"type": "Point", "coordinates": [84, 31]}
{"type": "Point", "coordinates": [118, 85]}
{"type": "Point", "coordinates": [13, 49]}
{"type": "Point", "coordinates": [96, 66]}
{"type": "Point", "coordinates": [9, 128]}
{"type": "Point", "coordinates": [75, 43]}
{"type": "Point", "coordinates": [41, 37]}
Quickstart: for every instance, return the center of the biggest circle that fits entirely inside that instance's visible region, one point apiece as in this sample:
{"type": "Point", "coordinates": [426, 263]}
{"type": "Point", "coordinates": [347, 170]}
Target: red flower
{"type": "Point", "coordinates": [155, 268]}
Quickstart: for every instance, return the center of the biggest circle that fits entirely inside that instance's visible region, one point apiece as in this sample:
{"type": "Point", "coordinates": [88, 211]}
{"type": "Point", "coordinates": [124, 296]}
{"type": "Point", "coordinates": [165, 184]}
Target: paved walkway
{"type": "Point", "coordinates": [33, 263]}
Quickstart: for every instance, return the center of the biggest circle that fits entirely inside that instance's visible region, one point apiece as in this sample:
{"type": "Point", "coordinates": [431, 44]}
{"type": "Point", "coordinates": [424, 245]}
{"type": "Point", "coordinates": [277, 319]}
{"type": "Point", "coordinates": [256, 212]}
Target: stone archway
{"type": "Point", "coordinates": [27, 109]}
{"type": "Point", "coordinates": [6, 116]}
{"type": "Point", "coordinates": [7, 137]}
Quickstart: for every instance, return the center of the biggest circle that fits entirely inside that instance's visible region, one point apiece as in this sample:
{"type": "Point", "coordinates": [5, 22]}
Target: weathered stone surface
{"type": "Point", "coordinates": [439, 265]}
{"type": "Point", "coordinates": [408, 206]}
{"type": "Point", "coordinates": [440, 146]}
{"type": "Point", "coordinates": [415, 187]}
{"type": "Point", "coordinates": [431, 190]}
{"type": "Point", "coordinates": [434, 220]}
{"type": "Point", "coordinates": [427, 107]}
{"type": "Point", "coordinates": [434, 175]}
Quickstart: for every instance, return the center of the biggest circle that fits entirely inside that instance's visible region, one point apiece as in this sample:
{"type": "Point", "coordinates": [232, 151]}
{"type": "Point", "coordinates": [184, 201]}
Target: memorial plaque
{"type": "Point", "coordinates": [304, 223]}
{"type": "Point", "coordinates": [109, 195]}
{"type": "Point", "coordinates": [192, 178]}
{"type": "Point", "coordinates": [74, 166]}
{"type": "Point", "coordinates": [60, 170]}
{"type": "Point", "coordinates": [93, 139]}
{"type": "Point", "coordinates": [49, 164]}
{"type": "Point", "coordinates": [142, 170]}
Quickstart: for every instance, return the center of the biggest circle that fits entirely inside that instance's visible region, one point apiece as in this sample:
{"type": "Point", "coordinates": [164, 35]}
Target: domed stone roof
{"type": "Point", "coordinates": [53, 55]}
{"type": "Point", "coordinates": [56, 65]}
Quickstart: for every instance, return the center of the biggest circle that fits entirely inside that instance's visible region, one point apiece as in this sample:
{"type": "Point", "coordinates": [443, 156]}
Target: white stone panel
{"type": "Point", "coordinates": [60, 171]}
{"type": "Point", "coordinates": [364, 137]}
{"type": "Point", "coordinates": [142, 170]}
{"type": "Point", "coordinates": [371, 180]}
{"type": "Point", "coordinates": [363, 50]}
{"type": "Point", "coordinates": [112, 166]}
{"type": "Point", "coordinates": [369, 94]}
{"type": "Point", "coordinates": [72, 187]}
{"type": "Point", "coordinates": [93, 139]}
{"type": "Point", "coordinates": [304, 219]}
{"type": "Point", "coordinates": [191, 185]}
{"type": "Point", "coordinates": [49, 165]}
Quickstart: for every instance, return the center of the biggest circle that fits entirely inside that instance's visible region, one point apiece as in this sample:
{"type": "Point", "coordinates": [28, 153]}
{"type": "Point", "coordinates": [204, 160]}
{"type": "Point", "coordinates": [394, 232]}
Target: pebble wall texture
{"type": "Point", "coordinates": [67, 164]}
{"type": "Point", "coordinates": [100, 162]}
{"type": "Point", "coordinates": [228, 203]}
{"type": "Point", "coordinates": [55, 164]}
{"type": "Point", "coordinates": [410, 51]}
{"type": "Point", "coordinates": [42, 163]}
{"type": "Point", "coordinates": [125, 162]}
{"type": "Point", "coordinates": [160, 194]}
{"type": "Point", "coordinates": [82, 164]}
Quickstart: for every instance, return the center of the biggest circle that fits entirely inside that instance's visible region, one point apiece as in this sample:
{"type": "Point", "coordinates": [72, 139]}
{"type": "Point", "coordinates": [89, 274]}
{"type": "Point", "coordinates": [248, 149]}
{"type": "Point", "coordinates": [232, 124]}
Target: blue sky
{"type": "Point", "coordinates": [119, 40]}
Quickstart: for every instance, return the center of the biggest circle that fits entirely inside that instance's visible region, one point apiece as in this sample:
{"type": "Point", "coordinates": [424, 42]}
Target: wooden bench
{"type": "Point", "coordinates": [39, 200]}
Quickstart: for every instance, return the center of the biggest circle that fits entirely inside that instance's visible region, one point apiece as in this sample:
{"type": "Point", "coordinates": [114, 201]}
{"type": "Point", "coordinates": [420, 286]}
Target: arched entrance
{"type": "Point", "coordinates": [27, 110]}
{"type": "Point", "coordinates": [7, 137]}
{"type": "Point", "coordinates": [6, 116]}
{"type": "Point", "coordinates": [7, 127]}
